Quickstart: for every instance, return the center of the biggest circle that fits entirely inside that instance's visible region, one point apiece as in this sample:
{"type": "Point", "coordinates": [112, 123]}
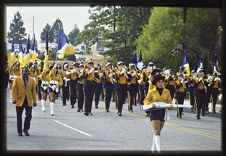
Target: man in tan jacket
{"type": "Point", "coordinates": [24, 96]}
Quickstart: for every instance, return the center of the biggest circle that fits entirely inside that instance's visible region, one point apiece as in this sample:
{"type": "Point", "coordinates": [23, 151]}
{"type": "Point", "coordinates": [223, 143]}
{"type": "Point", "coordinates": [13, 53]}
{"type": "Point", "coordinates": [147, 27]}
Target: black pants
{"type": "Point", "coordinates": [192, 98]}
{"type": "Point", "coordinates": [146, 86]}
{"type": "Point", "coordinates": [214, 96]}
{"type": "Point", "coordinates": [97, 91]}
{"type": "Point", "coordinates": [121, 96]}
{"type": "Point", "coordinates": [65, 94]}
{"type": "Point", "coordinates": [180, 99]}
{"type": "Point", "coordinates": [19, 113]}
{"type": "Point", "coordinates": [200, 99]}
{"type": "Point", "coordinates": [73, 94]}
{"type": "Point", "coordinates": [39, 89]}
{"type": "Point", "coordinates": [132, 88]}
{"type": "Point", "coordinates": [89, 93]}
{"type": "Point", "coordinates": [142, 95]}
{"type": "Point", "coordinates": [80, 96]}
{"type": "Point", "coordinates": [108, 93]}
{"type": "Point", "coordinates": [208, 97]}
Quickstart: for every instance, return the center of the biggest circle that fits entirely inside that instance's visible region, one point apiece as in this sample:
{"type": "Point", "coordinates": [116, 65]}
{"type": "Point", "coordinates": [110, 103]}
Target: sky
{"type": "Point", "coordinates": [69, 15]}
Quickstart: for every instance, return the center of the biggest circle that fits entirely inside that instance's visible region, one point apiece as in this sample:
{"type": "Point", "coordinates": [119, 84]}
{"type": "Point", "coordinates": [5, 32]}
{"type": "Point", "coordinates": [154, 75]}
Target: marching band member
{"type": "Point", "coordinates": [40, 69]}
{"type": "Point", "coordinates": [121, 88]}
{"type": "Point", "coordinates": [146, 76]}
{"type": "Point", "coordinates": [216, 83]}
{"type": "Point", "coordinates": [33, 73]}
{"type": "Point", "coordinates": [108, 84]}
{"type": "Point", "coordinates": [73, 84]}
{"type": "Point", "coordinates": [54, 84]}
{"type": "Point", "coordinates": [132, 86]}
{"type": "Point", "coordinates": [14, 71]}
{"type": "Point", "coordinates": [199, 93]}
{"type": "Point", "coordinates": [180, 93]}
{"type": "Point", "coordinates": [171, 85]}
{"type": "Point", "coordinates": [208, 83]}
{"type": "Point", "coordinates": [157, 116]}
{"type": "Point", "coordinates": [141, 87]}
{"type": "Point", "coordinates": [44, 78]}
{"type": "Point", "coordinates": [79, 88]}
{"type": "Point", "coordinates": [98, 84]}
{"type": "Point", "coordinates": [191, 88]}
{"type": "Point", "coordinates": [66, 80]}
{"type": "Point", "coordinates": [89, 87]}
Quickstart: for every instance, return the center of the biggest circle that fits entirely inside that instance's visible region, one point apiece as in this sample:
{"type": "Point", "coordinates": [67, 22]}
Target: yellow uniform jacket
{"type": "Point", "coordinates": [154, 96]}
{"type": "Point", "coordinates": [57, 77]}
{"type": "Point", "coordinates": [108, 74]}
{"type": "Point", "coordinates": [19, 91]}
{"type": "Point", "coordinates": [133, 76]}
{"type": "Point", "coordinates": [121, 78]}
{"type": "Point", "coordinates": [89, 76]}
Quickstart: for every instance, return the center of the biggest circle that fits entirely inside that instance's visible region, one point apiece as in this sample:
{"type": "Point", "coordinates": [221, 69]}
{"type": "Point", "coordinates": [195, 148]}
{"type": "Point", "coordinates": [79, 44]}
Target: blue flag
{"type": "Point", "coordinates": [62, 40]}
{"type": "Point", "coordinates": [131, 57]}
{"type": "Point", "coordinates": [186, 64]}
{"type": "Point", "coordinates": [33, 46]}
{"type": "Point", "coordinates": [28, 44]}
{"type": "Point", "coordinates": [135, 59]}
{"type": "Point", "coordinates": [47, 42]}
{"type": "Point", "coordinates": [140, 64]}
{"type": "Point", "coordinates": [140, 57]}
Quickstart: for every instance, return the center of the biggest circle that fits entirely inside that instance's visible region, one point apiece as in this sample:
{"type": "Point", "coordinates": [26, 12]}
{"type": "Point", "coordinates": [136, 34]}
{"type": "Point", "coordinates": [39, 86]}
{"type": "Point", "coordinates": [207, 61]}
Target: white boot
{"type": "Point", "coordinates": [157, 142]}
{"type": "Point", "coordinates": [52, 108]}
{"type": "Point", "coordinates": [153, 148]}
{"type": "Point", "coordinates": [43, 105]}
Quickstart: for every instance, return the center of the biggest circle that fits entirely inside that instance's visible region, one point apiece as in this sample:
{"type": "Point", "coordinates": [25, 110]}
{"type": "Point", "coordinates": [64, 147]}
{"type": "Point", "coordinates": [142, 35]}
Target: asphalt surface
{"type": "Point", "coordinates": [71, 131]}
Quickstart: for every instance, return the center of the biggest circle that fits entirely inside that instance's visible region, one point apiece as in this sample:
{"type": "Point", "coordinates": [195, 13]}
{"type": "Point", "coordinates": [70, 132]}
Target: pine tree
{"type": "Point", "coordinates": [17, 31]}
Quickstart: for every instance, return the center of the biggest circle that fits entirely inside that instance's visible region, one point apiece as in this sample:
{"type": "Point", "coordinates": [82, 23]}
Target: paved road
{"type": "Point", "coordinates": [70, 130]}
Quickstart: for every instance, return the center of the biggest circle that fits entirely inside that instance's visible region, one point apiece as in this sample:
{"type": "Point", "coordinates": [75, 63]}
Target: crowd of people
{"type": "Point", "coordinates": [81, 83]}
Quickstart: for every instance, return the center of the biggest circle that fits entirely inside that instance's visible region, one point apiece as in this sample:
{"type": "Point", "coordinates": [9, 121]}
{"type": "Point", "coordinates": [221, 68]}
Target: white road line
{"type": "Point", "coordinates": [73, 128]}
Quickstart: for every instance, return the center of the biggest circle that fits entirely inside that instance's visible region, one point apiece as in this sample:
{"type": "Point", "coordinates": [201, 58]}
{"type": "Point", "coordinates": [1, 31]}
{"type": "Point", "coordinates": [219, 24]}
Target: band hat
{"type": "Point", "coordinates": [131, 64]}
{"type": "Point", "coordinates": [157, 78]}
{"type": "Point", "coordinates": [150, 64]}
{"type": "Point", "coordinates": [81, 65]}
{"type": "Point", "coordinates": [120, 63]}
{"type": "Point", "coordinates": [91, 63]}
{"type": "Point", "coordinates": [156, 71]}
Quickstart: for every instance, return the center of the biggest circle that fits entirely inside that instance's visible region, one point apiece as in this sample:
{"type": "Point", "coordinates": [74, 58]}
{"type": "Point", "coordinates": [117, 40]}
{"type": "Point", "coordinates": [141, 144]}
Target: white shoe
{"type": "Point", "coordinates": [157, 142]}
{"type": "Point", "coordinates": [52, 108]}
{"type": "Point", "coordinates": [153, 148]}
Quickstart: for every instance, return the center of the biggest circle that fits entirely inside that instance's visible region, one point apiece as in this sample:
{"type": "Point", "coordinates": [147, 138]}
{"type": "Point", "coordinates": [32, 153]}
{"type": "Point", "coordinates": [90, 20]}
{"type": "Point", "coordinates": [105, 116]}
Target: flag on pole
{"type": "Point", "coordinates": [200, 62]}
{"type": "Point", "coordinates": [216, 64]}
{"type": "Point", "coordinates": [64, 48]}
{"type": "Point", "coordinates": [33, 52]}
{"type": "Point", "coordinates": [135, 59]}
{"type": "Point", "coordinates": [21, 55]}
{"type": "Point", "coordinates": [140, 62]}
{"type": "Point", "coordinates": [46, 59]}
{"type": "Point", "coordinates": [186, 64]}
{"type": "Point", "coordinates": [27, 56]}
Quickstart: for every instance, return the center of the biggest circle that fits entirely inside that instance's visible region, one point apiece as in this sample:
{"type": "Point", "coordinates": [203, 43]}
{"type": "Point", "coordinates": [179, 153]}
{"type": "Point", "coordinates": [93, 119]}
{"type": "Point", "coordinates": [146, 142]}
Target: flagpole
{"type": "Point", "coordinates": [33, 26]}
